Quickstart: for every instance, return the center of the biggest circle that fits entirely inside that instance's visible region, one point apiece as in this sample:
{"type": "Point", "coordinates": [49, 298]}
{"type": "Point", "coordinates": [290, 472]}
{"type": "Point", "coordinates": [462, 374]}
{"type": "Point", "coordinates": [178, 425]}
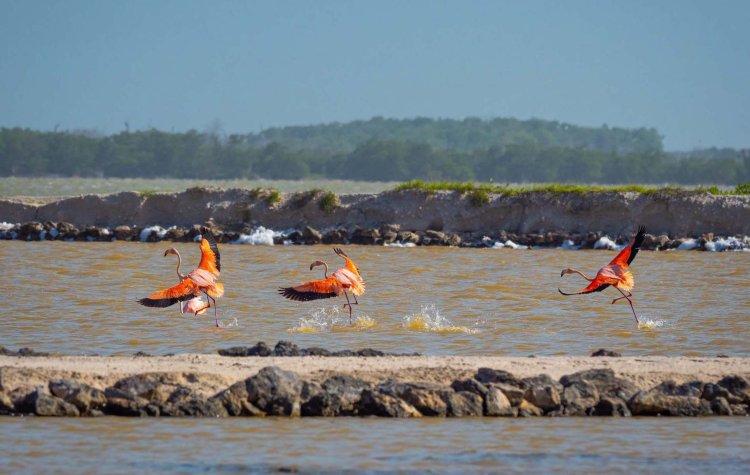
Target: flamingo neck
{"type": "Point", "coordinates": [179, 263]}
{"type": "Point", "coordinates": [581, 274]}
{"type": "Point", "coordinates": [325, 270]}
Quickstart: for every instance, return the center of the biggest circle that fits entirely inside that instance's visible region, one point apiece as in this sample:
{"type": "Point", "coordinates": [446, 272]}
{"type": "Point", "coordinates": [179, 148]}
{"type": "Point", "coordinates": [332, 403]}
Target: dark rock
{"type": "Point", "coordinates": [428, 398]}
{"type": "Point", "coordinates": [661, 401]}
{"type": "Point", "coordinates": [389, 237]}
{"type": "Point", "coordinates": [374, 403]}
{"type": "Point", "coordinates": [286, 348]}
{"type": "Point", "coordinates": [497, 403]}
{"type": "Point", "coordinates": [154, 387]}
{"type": "Point", "coordinates": [527, 409]}
{"type": "Point", "coordinates": [543, 392]}
{"type": "Point", "coordinates": [465, 403]}
{"type": "Point", "coordinates": [338, 396]}
{"type": "Point", "coordinates": [123, 233]}
{"type": "Point", "coordinates": [295, 237]}
{"type": "Point", "coordinates": [43, 404]}
{"type": "Point", "coordinates": [338, 236]}
{"type": "Point", "coordinates": [722, 355]}
{"type": "Point", "coordinates": [141, 354]}
{"type": "Point", "coordinates": [6, 404]}
{"type": "Point", "coordinates": [260, 349]}
{"type": "Point", "coordinates": [184, 402]}
{"type": "Point", "coordinates": [365, 236]}
{"type": "Point", "coordinates": [275, 391]}
{"type": "Point", "coordinates": [67, 230]}
{"type": "Point", "coordinates": [738, 386]}
{"type": "Point", "coordinates": [235, 401]}
{"type": "Point", "coordinates": [513, 393]}
{"type": "Point", "coordinates": [311, 235]}
{"type": "Point", "coordinates": [173, 234]}
{"type": "Point", "coordinates": [436, 237]}
{"type": "Point", "coordinates": [471, 385]}
{"type": "Point", "coordinates": [739, 410]}
{"type": "Point", "coordinates": [721, 407]}
{"type": "Point", "coordinates": [489, 375]}
{"type": "Point", "coordinates": [605, 381]}
{"type": "Point", "coordinates": [82, 396]}
{"type": "Point", "coordinates": [712, 391]}
{"type": "Point", "coordinates": [579, 397]}
{"type": "Point", "coordinates": [21, 352]}
{"type": "Point", "coordinates": [603, 352]}
{"type": "Point", "coordinates": [611, 406]}
{"type": "Point", "coordinates": [408, 237]}
{"type": "Point", "coordinates": [30, 230]}
{"type": "Point", "coordinates": [315, 351]}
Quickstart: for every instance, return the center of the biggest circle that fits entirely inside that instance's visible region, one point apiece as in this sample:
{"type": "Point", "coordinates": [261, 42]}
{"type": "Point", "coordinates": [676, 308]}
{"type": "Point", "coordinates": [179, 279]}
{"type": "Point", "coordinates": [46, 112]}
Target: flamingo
{"type": "Point", "coordinates": [616, 273]}
{"type": "Point", "coordinates": [200, 280]}
{"type": "Point", "coordinates": [342, 280]}
{"type": "Point", "coordinates": [195, 305]}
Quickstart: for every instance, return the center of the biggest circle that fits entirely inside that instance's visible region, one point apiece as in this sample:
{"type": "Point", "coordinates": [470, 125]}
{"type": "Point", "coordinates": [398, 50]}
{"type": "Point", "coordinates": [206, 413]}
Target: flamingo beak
{"type": "Point", "coordinates": [171, 250]}
{"type": "Point", "coordinates": [562, 273]}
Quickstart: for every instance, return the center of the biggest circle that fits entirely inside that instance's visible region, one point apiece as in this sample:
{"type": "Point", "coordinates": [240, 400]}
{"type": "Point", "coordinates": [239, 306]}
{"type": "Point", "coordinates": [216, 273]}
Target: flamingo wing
{"type": "Point", "coordinates": [595, 286]}
{"type": "Point", "coordinates": [185, 290]}
{"type": "Point", "coordinates": [350, 265]}
{"type": "Point", "coordinates": [350, 280]}
{"type": "Point", "coordinates": [313, 290]}
{"type": "Point", "coordinates": [210, 257]}
{"type": "Point", "coordinates": [626, 256]}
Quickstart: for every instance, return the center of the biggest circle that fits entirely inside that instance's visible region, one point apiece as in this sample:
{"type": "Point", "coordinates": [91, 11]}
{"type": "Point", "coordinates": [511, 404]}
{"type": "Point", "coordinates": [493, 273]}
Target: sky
{"type": "Point", "coordinates": [680, 66]}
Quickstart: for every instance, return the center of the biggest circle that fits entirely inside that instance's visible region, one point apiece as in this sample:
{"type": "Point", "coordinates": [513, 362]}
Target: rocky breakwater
{"type": "Point", "coordinates": [681, 219]}
{"type": "Point", "coordinates": [390, 388]}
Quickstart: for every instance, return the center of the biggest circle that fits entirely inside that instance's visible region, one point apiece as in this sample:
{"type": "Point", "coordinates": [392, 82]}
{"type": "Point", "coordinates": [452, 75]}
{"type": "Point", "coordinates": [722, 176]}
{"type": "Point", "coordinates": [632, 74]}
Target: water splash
{"type": "Point", "coordinates": [508, 243]}
{"type": "Point", "coordinates": [259, 237]}
{"type": "Point", "coordinates": [647, 323]}
{"type": "Point", "coordinates": [399, 244]}
{"type": "Point", "coordinates": [430, 320]}
{"type": "Point", "coordinates": [146, 232]}
{"type": "Point", "coordinates": [331, 319]}
{"type": "Point", "coordinates": [233, 323]}
{"type": "Point", "coordinates": [605, 242]}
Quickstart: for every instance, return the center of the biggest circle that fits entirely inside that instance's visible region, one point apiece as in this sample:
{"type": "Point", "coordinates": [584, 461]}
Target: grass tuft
{"type": "Point", "coordinates": [329, 202]}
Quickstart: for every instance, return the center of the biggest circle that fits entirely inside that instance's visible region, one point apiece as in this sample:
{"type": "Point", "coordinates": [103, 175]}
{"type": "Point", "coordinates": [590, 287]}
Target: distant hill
{"type": "Point", "coordinates": [465, 135]}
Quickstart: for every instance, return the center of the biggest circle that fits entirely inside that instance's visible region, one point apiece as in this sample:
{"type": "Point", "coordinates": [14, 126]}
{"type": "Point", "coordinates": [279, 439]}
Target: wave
{"type": "Point", "coordinates": [430, 320]}
{"type": "Point", "coordinates": [260, 237]}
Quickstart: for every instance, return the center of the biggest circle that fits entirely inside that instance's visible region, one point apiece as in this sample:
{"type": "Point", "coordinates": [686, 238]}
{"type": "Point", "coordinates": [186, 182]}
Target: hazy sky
{"type": "Point", "coordinates": [680, 66]}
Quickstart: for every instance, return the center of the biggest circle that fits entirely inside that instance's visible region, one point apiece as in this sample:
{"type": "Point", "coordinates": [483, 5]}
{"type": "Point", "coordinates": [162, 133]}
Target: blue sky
{"type": "Point", "coordinates": [680, 66]}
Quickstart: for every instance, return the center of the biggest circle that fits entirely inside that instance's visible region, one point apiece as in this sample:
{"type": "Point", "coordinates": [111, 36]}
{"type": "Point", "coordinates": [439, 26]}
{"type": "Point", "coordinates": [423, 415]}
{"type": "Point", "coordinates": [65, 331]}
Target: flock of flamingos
{"type": "Point", "coordinates": [346, 280]}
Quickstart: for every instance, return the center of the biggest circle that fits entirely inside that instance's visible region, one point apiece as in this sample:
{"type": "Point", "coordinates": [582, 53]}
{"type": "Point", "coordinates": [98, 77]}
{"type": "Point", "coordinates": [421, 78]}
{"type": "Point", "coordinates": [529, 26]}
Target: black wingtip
{"type": "Point", "coordinates": [338, 251]}
{"type": "Point", "coordinates": [208, 236]}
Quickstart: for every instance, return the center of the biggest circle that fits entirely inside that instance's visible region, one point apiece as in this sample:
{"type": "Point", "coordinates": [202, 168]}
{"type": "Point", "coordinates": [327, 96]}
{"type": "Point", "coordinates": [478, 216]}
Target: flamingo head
{"type": "Point", "coordinates": [566, 271]}
{"type": "Point", "coordinates": [171, 250]}
{"type": "Point", "coordinates": [317, 263]}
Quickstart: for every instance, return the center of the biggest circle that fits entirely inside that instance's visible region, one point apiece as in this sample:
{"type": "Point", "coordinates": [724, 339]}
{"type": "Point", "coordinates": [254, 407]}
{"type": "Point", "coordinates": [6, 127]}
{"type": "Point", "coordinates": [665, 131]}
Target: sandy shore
{"type": "Point", "coordinates": [219, 371]}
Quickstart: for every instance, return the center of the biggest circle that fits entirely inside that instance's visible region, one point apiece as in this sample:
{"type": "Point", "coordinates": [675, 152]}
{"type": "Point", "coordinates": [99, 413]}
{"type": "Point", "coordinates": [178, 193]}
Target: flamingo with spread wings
{"type": "Point", "coordinates": [616, 273]}
{"type": "Point", "coordinates": [343, 280]}
{"type": "Point", "coordinates": [200, 280]}
{"type": "Point", "coordinates": [196, 305]}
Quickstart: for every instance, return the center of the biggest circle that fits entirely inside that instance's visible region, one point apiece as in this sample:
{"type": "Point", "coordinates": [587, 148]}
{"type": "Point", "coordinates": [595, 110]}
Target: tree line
{"type": "Point", "coordinates": [154, 153]}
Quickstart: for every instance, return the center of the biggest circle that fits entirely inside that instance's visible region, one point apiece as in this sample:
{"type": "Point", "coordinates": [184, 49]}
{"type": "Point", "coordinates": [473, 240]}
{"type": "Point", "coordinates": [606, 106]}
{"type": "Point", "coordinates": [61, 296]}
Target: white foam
{"type": "Point", "coordinates": [146, 232]}
{"type": "Point", "coordinates": [259, 237]}
{"type": "Point", "coordinates": [5, 227]}
{"type": "Point", "coordinates": [688, 244]}
{"type": "Point", "coordinates": [399, 244]}
{"type": "Point", "coordinates": [508, 243]}
{"type": "Point", "coordinates": [605, 242]}
{"type": "Point", "coordinates": [569, 245]}
{"type": "Point", "coordinates": [430, 320]}
{"type": "Point", "coordinates": [722, 244]}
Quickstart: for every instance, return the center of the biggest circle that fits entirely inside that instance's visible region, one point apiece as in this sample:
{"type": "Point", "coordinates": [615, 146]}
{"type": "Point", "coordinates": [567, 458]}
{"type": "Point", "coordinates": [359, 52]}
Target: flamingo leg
{"type": "Point", "coordinates": [216, 315]}
{"type": "Point", "coordinates": [349, 304]}
{"type": "Point", "coordinates": [623, 297]}
{"type": "Point", "coordinates": [630, 302]}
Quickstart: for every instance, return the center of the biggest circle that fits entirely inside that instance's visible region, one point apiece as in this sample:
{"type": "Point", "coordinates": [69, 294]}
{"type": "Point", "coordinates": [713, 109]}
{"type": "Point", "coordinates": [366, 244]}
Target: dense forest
{"type": "Point", "coordinates": [499, 150]}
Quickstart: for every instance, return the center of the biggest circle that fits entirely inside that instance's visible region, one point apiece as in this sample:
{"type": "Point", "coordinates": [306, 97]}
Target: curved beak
{"type": "Point", "coordinates": [171, 250]}
{"type": "Point", "coordinates": [316, 263]}
{"type": "Point", "coordinates": [562, 273]}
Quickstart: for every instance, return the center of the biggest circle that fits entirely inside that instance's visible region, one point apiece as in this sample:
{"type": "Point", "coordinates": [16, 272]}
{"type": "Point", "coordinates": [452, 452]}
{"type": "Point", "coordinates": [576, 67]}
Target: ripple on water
{"type": "Point", "coordinates": [430, 320]}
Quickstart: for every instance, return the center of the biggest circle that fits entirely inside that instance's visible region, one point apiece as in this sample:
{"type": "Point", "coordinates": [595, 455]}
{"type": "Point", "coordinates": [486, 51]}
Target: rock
{"type": "Point", "coordinates": [605, 382]}
{"type": "Point", "coordinates": [470, 385]}
{"type": "Point", "coordinates": [611, 406]}
{"type": "Point", "coordinates": [429, 399]}
{"type": "Point", "coordinates": [542, 391]}
{"type": "Point", "coordinates": [311, 235]}
{"type": "Point", "coordinates": [513, 393]}
{"type": "Point", "coordinates": [436, 237]}
{"type": "Point", "coordinates": [603, 352]}
{"type": "Point", "coordinates": [123, 233]}
{"type": "Point", "coordinates": [84, 397]}
{"type": "Point", "coordinates": [260, 349]}
{"type": "Point", "coordinates": [738, 386]}
{"type": "Point", "coordinates": [374, 403]}
{"type": "Point", "coordinates": [6, 404]}
{"type": "Point", "coordinates": [275, 391]}
{"type": "Point", "coordinates": [286, 348]}
{"type": "Point", "coordinates": [527, 409]}
{"type": "Point", "coordinates": [153, 387]}
{"type": "Point", "coordinates": [338, 236]}
{"type": "Point", "coordinates": [454, 240]}
{"type": "Point", "coordinates": [497, 403]}
{"type": "Point", "coordinates": [338, 396]}
{"type": "Point", "coordinates": [408, 237]}
{"type": "Point", "coordinates": [369, 352]}
{"type": "Point", "coordinates": [235, 401]}
{"type": "Point", "coordinates": [30, 230]}
{"type": "Point", "coordinates": [21, 352]}
{"type": "Point", "coordinates": [465, 403]}
{"type": "Point", "coordinates": [315, 351]}
{"type": "Point", "coordinates": [579, 397]}
{"type": "Point", "coordinates": [721, 407]}
{"type": "Point", "coordinates": [173, 234]}
{"type": "Point", "coordinates": [365, 236]}
{"type": "Point", "coordinates": [712, 391]}
{"type": "Point", "coordinates": [666, 400]}
{"type": "Point", "coordinates": [489, 375]}
{"type": "Point", "coordinates": [184, 402]}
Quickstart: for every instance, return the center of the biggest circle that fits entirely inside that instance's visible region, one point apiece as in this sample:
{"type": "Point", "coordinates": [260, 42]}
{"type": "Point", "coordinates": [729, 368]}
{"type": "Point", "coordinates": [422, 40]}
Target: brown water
{"type": "Point", "coordinates": [541, 445]}
{"type": "Point", "coordinates": [80, 298]}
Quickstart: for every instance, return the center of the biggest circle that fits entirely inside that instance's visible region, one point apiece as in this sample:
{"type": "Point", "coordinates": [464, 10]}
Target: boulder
{"type": "Point", "coordinates": [602, 352]}
{"type": "Point", "coordinates": [489, 375]}
{"type": "Point", "coordinates": [429, 399]}
{"type": "Point", "coordinates": [43, 404]}
{"type": "Point", "coordinates": [337, 396]}
{"type": "Point", "coordinates": [84, 397]}
{"type": "Point", "coordinates": [465, 403]}
{"type": "Point", "coordinates": [738, 386]}
{"type": "Point", "coordinates": [605, 382]}
{"type": "Point", "coordinates": [611, 406]}
{"type": "Point", "coordinates": [275, 391]}
{"type": "Point", "coordinates": [374, 403]}
{"type": "Point", "coordinates": [579, 397]}
{"type": "Point", "coordinates": [668, 399]}
{"type": "Point", "coordinates": [497, 403]}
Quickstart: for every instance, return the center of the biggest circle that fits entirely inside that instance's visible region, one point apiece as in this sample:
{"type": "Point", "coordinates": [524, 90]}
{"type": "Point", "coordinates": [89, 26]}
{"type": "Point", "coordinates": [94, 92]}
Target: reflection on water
{"type": "Point", "coordinates": [558, 445]}
{"type": "Point", "coordinates": [80, 298]}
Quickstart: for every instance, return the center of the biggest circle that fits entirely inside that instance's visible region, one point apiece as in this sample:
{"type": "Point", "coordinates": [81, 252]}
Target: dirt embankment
{"type": "Point", "coordinates": [683, 214]}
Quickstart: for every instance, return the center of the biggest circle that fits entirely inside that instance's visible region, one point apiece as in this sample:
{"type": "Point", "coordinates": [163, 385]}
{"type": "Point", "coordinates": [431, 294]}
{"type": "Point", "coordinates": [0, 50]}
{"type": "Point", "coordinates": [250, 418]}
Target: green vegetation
{"type": "Point", "coordinates": [478, 193]}
{"type": "Point", "coordinates": [329, 202]}
{"type": "Point", "coordinates": [147, 193]}
{"type": "Point", "coordinates": [504, 150]}
{"type": "Point", "coordinates": [274, 196]}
